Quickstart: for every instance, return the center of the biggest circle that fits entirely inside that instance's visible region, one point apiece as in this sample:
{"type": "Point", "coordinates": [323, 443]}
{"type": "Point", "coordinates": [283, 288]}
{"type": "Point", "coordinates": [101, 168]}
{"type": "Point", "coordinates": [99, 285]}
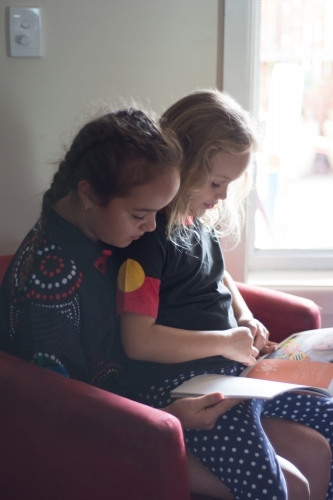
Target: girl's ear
{"type": "Point", "coordinates": [86, 194]}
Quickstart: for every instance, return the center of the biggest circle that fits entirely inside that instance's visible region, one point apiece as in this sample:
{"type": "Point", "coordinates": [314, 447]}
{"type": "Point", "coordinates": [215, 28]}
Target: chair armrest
{"type": "Point", "coordinates": [61, 438]}
{"type": "Point", "coordinates": [282, 313]}
{"type": "Point", "coordinates": [4, 263]}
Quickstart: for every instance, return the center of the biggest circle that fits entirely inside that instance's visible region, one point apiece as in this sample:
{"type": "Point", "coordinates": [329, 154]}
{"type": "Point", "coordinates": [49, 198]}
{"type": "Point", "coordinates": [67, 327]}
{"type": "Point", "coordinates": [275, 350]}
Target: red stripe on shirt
{"type": "Point", "coordinates": [144, 300]}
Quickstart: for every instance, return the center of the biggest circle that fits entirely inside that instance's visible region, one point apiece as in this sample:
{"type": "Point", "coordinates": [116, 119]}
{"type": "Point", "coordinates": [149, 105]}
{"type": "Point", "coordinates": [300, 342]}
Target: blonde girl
{"type": "Point", "coordinates": [182, 315]}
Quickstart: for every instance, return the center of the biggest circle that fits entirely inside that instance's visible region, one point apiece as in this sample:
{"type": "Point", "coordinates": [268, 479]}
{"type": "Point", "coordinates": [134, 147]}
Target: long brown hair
{"type": "Point", "coordinates": [114, 153]}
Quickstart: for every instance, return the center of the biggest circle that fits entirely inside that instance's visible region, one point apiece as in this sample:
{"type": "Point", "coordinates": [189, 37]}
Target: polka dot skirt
{"type": "Point", "coordinates": [237, 450]}
{"type": "Point", "coordinates": [313, 411]}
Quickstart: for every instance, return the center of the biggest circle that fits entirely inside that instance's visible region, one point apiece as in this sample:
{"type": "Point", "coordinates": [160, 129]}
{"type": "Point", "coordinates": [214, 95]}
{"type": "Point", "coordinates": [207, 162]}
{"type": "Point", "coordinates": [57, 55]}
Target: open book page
{"type": "Point", "coordinates": [313, 374]}
{"type": "Point", "coordinates": [311, 345]}
{"type": "Point", "coordinates": [303, 361]}
{"type": "Point", "coordinates": [235, 387]}
{"type": "Point", "coordinates": [303, 358]}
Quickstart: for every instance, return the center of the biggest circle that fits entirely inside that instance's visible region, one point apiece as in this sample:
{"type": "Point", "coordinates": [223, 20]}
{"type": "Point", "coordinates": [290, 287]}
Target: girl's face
{"type": "Point", "coordinates": [126, 219]}
{"type": "Point", "coordinates": [225, 168]}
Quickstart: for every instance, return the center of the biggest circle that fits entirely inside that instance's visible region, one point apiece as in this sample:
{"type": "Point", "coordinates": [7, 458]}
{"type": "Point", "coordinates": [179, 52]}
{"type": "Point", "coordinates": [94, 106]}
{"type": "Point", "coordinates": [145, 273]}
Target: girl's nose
{"type": "Point", "coordinates": [222, 194]}
{"type": "Point", "coordinates": [149, 224]}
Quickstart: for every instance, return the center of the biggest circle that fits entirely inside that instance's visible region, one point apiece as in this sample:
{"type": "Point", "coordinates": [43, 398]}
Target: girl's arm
{"type": "Point", "coordinates": [244, 317]}
{"type": "Point", "coordinates": [145, 340]}
{"type": "Point", "coordinates": [241, 311]}
{"type": "Point", "coordinates": [145, 265]}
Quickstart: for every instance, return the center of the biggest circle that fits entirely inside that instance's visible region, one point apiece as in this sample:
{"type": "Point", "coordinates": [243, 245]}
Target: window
{"type": "Point", "coordinates": [278, 62]}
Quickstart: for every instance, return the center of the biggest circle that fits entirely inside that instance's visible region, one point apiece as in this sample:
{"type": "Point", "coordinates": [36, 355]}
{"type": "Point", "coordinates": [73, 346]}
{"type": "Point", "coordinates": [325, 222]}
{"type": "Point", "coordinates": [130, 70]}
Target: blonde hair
{"type": "Point", "coordinates": [205, 123]}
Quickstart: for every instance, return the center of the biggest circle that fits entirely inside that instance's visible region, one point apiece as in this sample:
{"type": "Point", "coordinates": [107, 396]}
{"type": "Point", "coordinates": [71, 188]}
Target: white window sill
{"type": "Point", "coordinates": [292, 279]}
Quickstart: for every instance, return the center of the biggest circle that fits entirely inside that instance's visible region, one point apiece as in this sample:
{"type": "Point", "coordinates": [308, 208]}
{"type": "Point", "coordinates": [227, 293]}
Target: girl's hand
{"type": "Point", "coordinates": [269, 347]}
{"type": "Point", "coordinates": [238, 345]}
{"type": "Point", "coordinates": [258, 330]}
{"type": "Point", "coordinates": [200, 412]}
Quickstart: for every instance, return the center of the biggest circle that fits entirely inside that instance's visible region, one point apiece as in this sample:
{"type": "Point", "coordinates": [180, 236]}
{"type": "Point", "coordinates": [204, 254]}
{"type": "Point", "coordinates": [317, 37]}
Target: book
{"type": "Point", "coordinates": [303, 362]}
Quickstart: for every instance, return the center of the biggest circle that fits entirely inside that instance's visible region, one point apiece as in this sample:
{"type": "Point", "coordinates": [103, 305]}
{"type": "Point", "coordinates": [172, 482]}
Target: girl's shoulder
{"type": "Point", "coordinates": [54, 275]}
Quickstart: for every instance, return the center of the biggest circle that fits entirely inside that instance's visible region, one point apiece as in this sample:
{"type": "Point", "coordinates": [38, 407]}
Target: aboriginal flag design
{"type": "Point", "coordinates": [136, 292]}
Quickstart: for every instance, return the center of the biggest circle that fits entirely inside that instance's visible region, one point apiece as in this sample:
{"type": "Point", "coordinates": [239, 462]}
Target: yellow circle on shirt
{"type": "Point", "coordinates": [131, 276]}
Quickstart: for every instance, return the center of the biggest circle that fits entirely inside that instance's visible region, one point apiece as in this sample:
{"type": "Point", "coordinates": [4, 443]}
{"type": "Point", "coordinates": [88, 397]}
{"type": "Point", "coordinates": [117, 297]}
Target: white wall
{"type": "Point", "coordinates": [153, 50]}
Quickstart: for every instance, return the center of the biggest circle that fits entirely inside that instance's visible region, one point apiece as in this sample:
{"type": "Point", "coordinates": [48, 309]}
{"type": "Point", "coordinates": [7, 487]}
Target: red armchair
{"type": "Point", "coordinates": [60, 438]}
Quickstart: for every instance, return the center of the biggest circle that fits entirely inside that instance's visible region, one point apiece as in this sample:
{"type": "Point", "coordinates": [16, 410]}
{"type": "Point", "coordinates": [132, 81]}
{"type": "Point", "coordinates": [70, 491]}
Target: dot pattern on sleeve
{"type": "Point", "coordinates": [54, 279]}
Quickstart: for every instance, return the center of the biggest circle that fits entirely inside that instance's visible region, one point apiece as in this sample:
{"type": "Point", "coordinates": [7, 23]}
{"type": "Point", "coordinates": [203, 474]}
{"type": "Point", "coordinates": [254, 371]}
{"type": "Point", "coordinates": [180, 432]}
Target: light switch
{"type": "Point", "coordinates": [25, 32]}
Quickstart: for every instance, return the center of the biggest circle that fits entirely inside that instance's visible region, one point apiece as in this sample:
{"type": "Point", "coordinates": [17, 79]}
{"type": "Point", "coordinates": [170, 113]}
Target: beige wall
{"type": "Point", "coordinates": [152, 50]}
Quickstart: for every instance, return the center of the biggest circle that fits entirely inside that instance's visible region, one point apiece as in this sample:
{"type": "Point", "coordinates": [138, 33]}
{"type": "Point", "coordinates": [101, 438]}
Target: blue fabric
{"type": "Point", "coordinates": [237, 449]}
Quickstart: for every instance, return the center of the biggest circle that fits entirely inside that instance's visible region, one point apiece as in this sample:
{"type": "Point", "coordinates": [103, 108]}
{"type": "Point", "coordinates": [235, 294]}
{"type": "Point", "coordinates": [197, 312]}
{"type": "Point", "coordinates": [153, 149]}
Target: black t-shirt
{"type": "Point", "coordinates": [180, 285]}
{"type": "Point", "coordinates": [65, 317]}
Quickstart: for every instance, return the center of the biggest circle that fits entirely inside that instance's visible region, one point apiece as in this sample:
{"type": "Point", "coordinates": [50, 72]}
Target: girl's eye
{"type": "Point", "coordinates": [136, 217]}
{"type": "Point", "coordinates": [214, 185]}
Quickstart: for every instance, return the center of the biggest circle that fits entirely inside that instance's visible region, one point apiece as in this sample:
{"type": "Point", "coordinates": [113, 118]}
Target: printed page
{"type": "Point", "coordinates": [308, 373]}
{"type": "Point", "coordinates": [311, 345]}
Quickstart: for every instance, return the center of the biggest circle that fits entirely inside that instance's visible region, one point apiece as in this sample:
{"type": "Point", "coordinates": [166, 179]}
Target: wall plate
{"type": "Point", "coordinates": [25, 32]}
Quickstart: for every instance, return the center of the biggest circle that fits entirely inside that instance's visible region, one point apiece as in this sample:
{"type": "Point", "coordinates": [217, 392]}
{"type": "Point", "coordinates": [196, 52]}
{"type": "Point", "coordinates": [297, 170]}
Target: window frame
{"type": "Point", "coordinates": [241, 79]}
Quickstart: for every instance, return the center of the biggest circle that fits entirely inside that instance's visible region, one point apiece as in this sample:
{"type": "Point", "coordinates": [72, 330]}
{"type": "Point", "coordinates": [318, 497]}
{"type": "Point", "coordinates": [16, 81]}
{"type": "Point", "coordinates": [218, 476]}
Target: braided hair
{"type": "Point", "coordinates": [114, 153]}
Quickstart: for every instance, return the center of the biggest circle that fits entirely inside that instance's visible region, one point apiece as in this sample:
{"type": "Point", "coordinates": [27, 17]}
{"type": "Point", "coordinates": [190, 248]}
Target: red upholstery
{"type": "Point", "coordinates": [282, 313]}
{"type": "Point", "coordinates": [4, 262]}
{"type": "Point", "coordinates": [63, 439]}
